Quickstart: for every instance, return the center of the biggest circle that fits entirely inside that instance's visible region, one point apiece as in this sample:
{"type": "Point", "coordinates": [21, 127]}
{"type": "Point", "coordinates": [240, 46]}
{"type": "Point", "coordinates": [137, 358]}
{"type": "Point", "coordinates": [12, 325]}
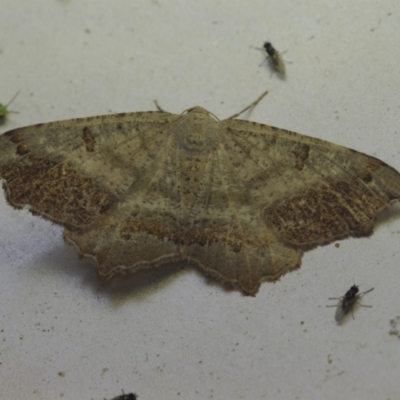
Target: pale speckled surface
{"type": "Point", "coordinates": [175, 333]}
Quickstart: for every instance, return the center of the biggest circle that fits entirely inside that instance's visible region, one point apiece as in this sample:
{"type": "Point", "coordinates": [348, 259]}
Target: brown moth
{"type": "Point", "coordinates": [240, 200]}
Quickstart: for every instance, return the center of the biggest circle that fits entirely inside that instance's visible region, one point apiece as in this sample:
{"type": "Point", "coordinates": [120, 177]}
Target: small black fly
{"type": "Point", "coordinates": [125, 396]}
{"type": "Point", "coordinates": [347, 302]}
{"type": "Point", "coordinates": [275, 59]}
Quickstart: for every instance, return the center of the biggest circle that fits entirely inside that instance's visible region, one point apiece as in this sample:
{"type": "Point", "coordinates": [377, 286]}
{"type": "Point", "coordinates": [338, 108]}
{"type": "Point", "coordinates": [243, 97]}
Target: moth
{"type": "Point", "coordinates": [241, 201]}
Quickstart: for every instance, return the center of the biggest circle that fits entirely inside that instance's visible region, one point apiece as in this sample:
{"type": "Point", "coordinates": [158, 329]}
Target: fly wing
{"type": "Point", "coordinates": [341, 310]}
